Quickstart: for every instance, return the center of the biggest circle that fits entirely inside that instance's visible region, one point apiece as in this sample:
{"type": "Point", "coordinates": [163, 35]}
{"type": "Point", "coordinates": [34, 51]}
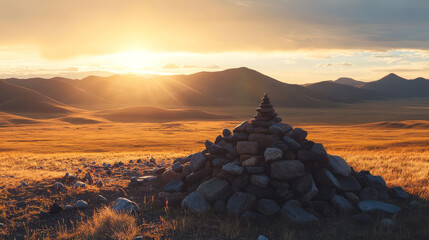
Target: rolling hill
{"type": "Point", "coordinates": [348, 81]}
{"type": "Point", "coordinates": [17, 99]}
{"type": "Point", "coordinates": [239, 87]}
{"type": "Point", "coordinates": [397, 87]}
{"type": "Point", "coordinates": [155, 114]}
{"type": "Point", "coordinates": [60, 90]}
{"type": "Point", "coordinates": [345, 93]}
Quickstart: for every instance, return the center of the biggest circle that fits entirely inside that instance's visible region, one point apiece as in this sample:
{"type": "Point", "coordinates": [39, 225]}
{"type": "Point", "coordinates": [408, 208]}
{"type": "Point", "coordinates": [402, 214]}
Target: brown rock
{"type": "Point", "coordinates": [264, 141]}
{"type": "Point", "coordinates": [170, 175]}
{"type": "Point", "coordinates": [252, 162]}
{"type": "Point", "coordinates": [245, 147]}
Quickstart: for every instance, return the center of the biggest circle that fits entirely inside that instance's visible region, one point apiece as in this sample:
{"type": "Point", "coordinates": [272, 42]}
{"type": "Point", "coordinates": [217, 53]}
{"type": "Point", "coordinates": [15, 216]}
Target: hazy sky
{"type": "Point", "coordinates": [293, 41]}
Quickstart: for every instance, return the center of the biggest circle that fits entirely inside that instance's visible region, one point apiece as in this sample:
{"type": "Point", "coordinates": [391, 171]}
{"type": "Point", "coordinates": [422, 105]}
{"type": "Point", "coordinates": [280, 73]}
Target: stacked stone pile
{"type": "Point", "coordinates": [266, 168]}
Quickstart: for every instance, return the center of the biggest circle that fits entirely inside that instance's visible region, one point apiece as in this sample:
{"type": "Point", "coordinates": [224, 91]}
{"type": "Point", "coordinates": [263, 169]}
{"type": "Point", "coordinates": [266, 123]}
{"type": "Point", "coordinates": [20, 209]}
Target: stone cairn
{"type": "Point", "coordinates": [266, 168]}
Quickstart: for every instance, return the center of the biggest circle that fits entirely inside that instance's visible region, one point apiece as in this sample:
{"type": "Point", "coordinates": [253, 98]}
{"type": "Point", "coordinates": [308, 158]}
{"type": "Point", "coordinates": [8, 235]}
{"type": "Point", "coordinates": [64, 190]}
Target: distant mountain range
{"type": "Point", "coordinates": [232, 87]}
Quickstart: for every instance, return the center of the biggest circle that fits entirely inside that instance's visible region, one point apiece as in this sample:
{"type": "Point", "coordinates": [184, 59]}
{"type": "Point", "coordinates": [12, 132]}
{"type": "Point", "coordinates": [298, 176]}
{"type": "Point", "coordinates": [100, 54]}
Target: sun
{"type": "Point", "coordinates": [135, 60]}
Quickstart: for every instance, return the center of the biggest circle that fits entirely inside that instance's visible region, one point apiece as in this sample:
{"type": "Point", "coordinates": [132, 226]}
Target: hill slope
{"type": "Point", "coordinates": [17, 99]}
{"type": "Point", "coordinates": [240, 87]}
{"type": "Point", "coordinates": [343, 92]}
{"type": "Point", "coordinates": [394, 86]}
{"type": "Point", "coordinates": [59, 89]}
{"type": "Point", "coordinates": [349, 81]}
{"type": "Point", "coordinates": [155, 114]}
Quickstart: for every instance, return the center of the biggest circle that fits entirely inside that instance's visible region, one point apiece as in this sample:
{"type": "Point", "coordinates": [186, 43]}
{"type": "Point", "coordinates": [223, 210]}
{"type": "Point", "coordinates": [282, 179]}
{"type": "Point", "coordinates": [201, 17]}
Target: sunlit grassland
{"type": "Point", "coordinates": [37, 152]}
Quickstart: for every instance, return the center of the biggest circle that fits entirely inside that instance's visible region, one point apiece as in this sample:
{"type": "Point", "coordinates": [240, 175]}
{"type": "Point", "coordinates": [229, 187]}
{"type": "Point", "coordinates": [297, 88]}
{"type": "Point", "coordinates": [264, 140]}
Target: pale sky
{"type": "Point", "coordinates": [292, 41]}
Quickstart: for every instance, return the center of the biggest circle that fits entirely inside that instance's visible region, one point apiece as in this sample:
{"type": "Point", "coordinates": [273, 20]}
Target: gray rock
{"type": "Point", "coordinates": [398, 192]}
{"type": "Point", "coordinates": [138, 238]}
{"type": "Point", "coordinates": [352, 197]}
{"type": "Point", "coordinates": [226, 133]}
{"type": "Point", "coordinates": [239, 136]}
{"type": "Point", "coordinates": [260, 180]}
{"type": "Point", "coordinates": [375, 181]}
{"type": "Point", "coordinates": [312, 192]}
{"type": "Point", "coordinates": [292, 144]}
{"type": "Point", "coordinates": [287, 170]}
{"type": "Point", "coordinates": [101, 199]}
{"type": "Point", "coordinates": [349, 184]}
{"type": "Point", "coordinates": [246, 147]}
{"type": "Point", "coordinates": [214, 189]}
{"type": "Point", "coordinates": [416, 204]}
{"type": "Point", "coordinates": [174, 186]}
{"type": "Point", "coordinates": [325, 177]}
{"type": "Point", "coordinates": [294, 213]}
{"type": "Point", "coordinates": [197, 161]}
{"type": "Point", "coordinates": [125, 205]}
{"type": "Point", "coordinates": [341, 204]}
{"type": "Point", "coordinates": [240, 202]}
{"type": "Point", "coordinates": [368, 193]}
{"type": "Point", "coordinates": [58, 186]}
{"type": "Point", "coordinates": [267, 207]}
{"type": "Point", "coordinates": [303, 184]}
{"type": "Point", "coordinates": [325, 193]}
{"type": "Point", "coordinates": [218, 162]}
{"type": "Point", "coordinates": [299, 134]}
{"type": "Point", "coordinates": [338, 166]}
{"type": "Point", "coordinates": [80, 204]}
{"type": "Point", "coordinates": [252, 162]}
{"type": "Point", "coordinates": [386, 223]}
{"type": "Point", "coordinates": [363, 218]}
{"type": "Point", "coordinates": [68, 208]}
{"type": "Point", "coordinates": [374, 205]}
{"type": "Point", "coordinates": [320, 151]}
{"type": "Point", "coordinates": [242, 127]}
{"type": "Point", "coordinates": [262, 237]}
{"type": "Point", "coordinates": [24, 184]}
{"type": "Point", "coordinates": [240, 182]}
{"type": "Point", "coordinates": [273, 154]}
{"type": "Point", "coordinates": [232, 168]}
{"type": "Point", "coordinates": [255, 170]}
{"type": "Point", "coordinates": [177, 167]}
{"type": "Point", "coordinates": [80, 185]}
{"type": "Point", "coordinates": [195, 203]}
{"type": "Point", "coordinates": [279, 128]}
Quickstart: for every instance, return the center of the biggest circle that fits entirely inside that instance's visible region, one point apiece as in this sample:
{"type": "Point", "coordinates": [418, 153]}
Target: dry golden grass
{"type": "Point", "coordinates": [401, 156]}
{"type": "Point", "coordinates": [104, 224]}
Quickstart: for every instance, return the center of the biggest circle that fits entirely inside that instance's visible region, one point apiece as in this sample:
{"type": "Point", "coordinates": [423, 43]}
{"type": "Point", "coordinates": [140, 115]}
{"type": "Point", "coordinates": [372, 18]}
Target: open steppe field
{"type": "Point", "coordinates": [39, 154]}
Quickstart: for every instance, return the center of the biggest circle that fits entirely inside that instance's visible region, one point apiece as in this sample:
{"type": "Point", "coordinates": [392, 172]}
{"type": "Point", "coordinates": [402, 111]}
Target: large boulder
{"type": "Point", "coordinates": [170, 175]}
{"type": "Point", "coordinates": [260, 180]}
{"type": "Point", "coordinates": [195, 203]}
{"type": "Point", "coordinates": [374, 205]}
{"type": "Point", "coordinates": [299, 134]}
{"type": "Point", "coordinates": [267, 207]}
{"type": "Point", "coordinates": [125, 205]}
{"type": "Point", "coordinates": [279, 128]}
{"type": "Point", "coordinates": [273, 154]}
{"type": "Point", "coordinates": [174, 186]}
{"type": "Point", "coordinates": [214, 189]}
{"type": "Point", "coordinates": [294, 213]}
{"type": "Point", "coordinates": [242, 127]}
{"type": "Point", "coordinates": [232, 168]}
{"type": "Point", "coordinates": [287, 170]}
{"type": "Point", "coordinates": [324, 177]}
{"type": "Point", "coordinates": [341, 204]}
{"type": "Point", "coordinates": [197, 161]}
{"type": "Point", "coordinates": [349, 184]}
{"type": "Point", "coordinates": [338, 166]}
{"type": "Point", "coordinates": [240, 202]}
{"type": "Point", "coordinates": [292, 144]}
{"type": "Point", "coordinates": [247, 147]}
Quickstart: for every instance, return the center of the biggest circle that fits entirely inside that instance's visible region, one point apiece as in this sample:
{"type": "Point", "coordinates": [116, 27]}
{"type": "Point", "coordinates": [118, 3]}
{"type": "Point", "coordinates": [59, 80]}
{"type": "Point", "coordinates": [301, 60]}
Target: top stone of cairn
{"type": "Point", "coordinates": [266, 115]}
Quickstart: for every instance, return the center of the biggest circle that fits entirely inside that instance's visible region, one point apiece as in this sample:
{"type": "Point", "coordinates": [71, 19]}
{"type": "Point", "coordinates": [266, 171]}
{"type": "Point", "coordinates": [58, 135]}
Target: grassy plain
{"type": "Point", "coordinates": [41, 152]}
